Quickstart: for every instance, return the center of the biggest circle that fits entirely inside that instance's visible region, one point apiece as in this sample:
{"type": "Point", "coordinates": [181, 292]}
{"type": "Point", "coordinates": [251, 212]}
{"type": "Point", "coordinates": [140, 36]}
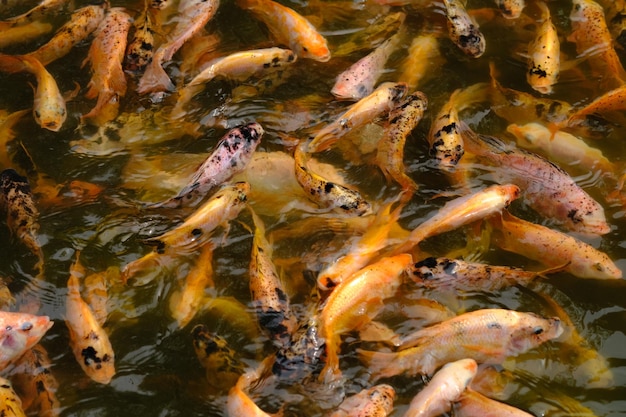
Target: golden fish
{"type": "Point", "coordinates": [376, 401]}
{"type": "Point", "coordinates": [81, 24]}
{"type": "Point", "coordinates": [611, 101]}
{"type": "Point", "coordinates": [544, 55]}
{"type": "Point", "coordinates": [487, 336]}
{"type": "Point", "coordinates": [193, 15]}
{"type": "Point", "coordinates": [422, 61]}
{"type": "Point", "coordinates": [48, 104]}
{"type": "Point", "coordinates": [96, 292]}
{"type": "Point", "coordinates": [355, 302]}
{"type": "Point", "coordinates": [7, 134]}
{"type": "Point", "coordinates": [463, 29]}
{"type": "Point", "coordinates": [106, 53]}
{"type": "Point", "coordinates": [327, 194]}
{"type": "Point", "coordinates": [239, 402]}
{"type": "Point", "coordinates": [445, 387]}
{"type": "Point", "coordinates": [222, 207]}
{"type": "Point", "coordinates": [288, 27]}
{"type": "Point", "coordinates": [41, 11]}
{"type": "Point", "coordinates": [89, 341]}
{"type": "Point", "coordinates": [511, 9]}
{"type": "Point", "coordinates": [10, 403]}
{"type": "Point", "coordinates": [552, 248]}
{"type": "Point", "coordinates": [390, 155]}
{"type": "Point", "coordinates": [381, 28]}
{"type": "Point", "coordinates": [472, 403]}
{"type": "Point", "coordinates": [22, 34]}
{"type": "Point", "coordinates": [18, 333]}
{"type": "Point", "coordinates": [140, 48]}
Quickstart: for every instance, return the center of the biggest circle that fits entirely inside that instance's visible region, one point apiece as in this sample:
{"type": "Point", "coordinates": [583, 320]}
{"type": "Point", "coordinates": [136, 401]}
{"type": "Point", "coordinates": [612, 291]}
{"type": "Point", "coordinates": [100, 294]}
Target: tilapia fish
{"type": "Point", "coordinates": [18, 333]}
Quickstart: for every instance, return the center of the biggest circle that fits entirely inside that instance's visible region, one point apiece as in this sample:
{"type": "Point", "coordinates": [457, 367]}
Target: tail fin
{"type": "Point", "coordinates": [381, 364]}
{"type": "Point", "coordinates": [155, 79]}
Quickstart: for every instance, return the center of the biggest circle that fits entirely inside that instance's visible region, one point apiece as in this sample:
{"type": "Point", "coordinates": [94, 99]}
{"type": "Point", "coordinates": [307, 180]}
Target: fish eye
{"type": "Point", "coordinates": [305, 49]}
{"type": "Point", "coordinates": [537, 330]}
{"type": "Point", "coordinates": [27, 326]}
{"type": "Point", "coordinates": [8, 328]}
{"type": "Point", "coordinates": [37, 114]}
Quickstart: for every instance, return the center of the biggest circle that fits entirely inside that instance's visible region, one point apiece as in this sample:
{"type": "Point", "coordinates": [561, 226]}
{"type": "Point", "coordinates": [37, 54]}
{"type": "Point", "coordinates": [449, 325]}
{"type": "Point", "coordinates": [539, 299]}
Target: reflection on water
{"type": "Point", "coordinates": [143, 156]}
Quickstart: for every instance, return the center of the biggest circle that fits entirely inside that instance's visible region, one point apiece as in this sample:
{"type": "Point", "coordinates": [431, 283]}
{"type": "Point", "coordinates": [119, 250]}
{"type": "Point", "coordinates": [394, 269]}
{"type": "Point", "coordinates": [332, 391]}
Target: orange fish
{"type": "Point", "coordinates": [18, 333]}
{"type": "Point", "coordinates": [472, 403]}
{"type": "Point", "coordinates": [376, 401]}
{"type": "Point", "coordinates": [24, 33]}
{"type": "Point", "coordinates": [239, 402]}
{"type": "Point", "coordinates": [422, 61]}
{"type": "Point", "coordinates": [544, 55]}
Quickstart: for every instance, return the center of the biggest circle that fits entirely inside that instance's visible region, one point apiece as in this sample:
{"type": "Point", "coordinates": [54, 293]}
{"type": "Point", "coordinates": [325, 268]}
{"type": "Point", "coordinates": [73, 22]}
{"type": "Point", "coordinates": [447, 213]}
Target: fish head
{"type": "Point", "coordinates": [532, 331]}
{"type": "Point", "coordinates": [20, 332]}
{"type": "Point", "coordinates": [50, 114]}
{"type": "Point", "coordinates": [582, 9]}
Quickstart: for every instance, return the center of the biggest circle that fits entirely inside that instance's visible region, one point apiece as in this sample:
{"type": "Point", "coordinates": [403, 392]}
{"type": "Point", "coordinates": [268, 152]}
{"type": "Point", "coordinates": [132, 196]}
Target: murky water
{"type": "Point", "coordinates": [146, 160]}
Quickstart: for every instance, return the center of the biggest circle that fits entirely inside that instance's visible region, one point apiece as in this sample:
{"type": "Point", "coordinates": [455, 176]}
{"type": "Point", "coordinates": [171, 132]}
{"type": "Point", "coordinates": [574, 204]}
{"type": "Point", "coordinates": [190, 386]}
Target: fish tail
{"type": "Point", "coordinates": [381, 364]}
{"type": "Point", "coordinates": [155, 79]}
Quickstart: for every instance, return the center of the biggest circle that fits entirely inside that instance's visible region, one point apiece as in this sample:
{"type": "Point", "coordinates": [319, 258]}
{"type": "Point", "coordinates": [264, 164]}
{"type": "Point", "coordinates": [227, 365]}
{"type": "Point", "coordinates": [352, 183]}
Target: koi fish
{"type": "Point", "coordinates": [230, 156]}
{"type": "Point", "coordinates": [544, 54]}
{"type": "Point", "coordinates": [402, 121]}
{"type": "Point", "coordinates": [140, 49]}
{"type": "Point", "coordinates": [193, 15]}
{"type": "Point", "coordinates": [82, 23]}
{"type": "Point", "coordinates": [239, 403]}
{"type": "Point", "coordinates": [18, 333]}
{"type": "Point", "coordinates": [560, 147]}
{"type": "Point", "coordinates": [35, 382]}
{"type": "Point", "coordinates": [355, 302]}
{"type": "Point", "coordinates": [328, 194]}
{"type": "Point", "coordinates": [359, 79]}
{"type": "Point", "coordinates": [16, 199]}
{"type": "Point", "coordinates": [472, 403]}
{"type": "Point", "coordinates": [376, 401]}
{"type": "Point", "coordinates": [445, 387]}
{"type": "Point", "coordinates": [239, 66]}
{"type": "Point", "coordinates": [220, 362]}
{"type": "Point", "coordinates": [381, 28]}
{"type": "Point", "coordinates": [185, 303]}
{"type": "Point", "coordinates": [10, 403]}
{"type": "Point", "coordinates": [289, 28]}
{"type": "Point", "coordinates": [89, 341]}
{"type": "Point", "coordinates": [614, 100]}
{"type": "Point", "coordinates": [380, 102]}
{"type": "Point", "coordinates": [546, 188]}
{"type": "Point", "coordinates": [463, 29]}
{"type": "Point", "coordinates": [48, 104]}
{"type": "Point", "coordinates": [7, 134]}
{"type": "Point", "coordinates": [487, 336]}
{"type": "Point", "coordinates": [106, 53]}
{"type": "Point", "coordinates": [300, 358]}
{"type": "Point", "coordinates": [222, 207]}
{"type": "Point", "coordinates": [593, 41]}
{"type": "Point", "coordinates": [423, 57]}
{"type": "Point", "coordinates": [444, 273]}
{"type": "Point", "coordinates": [96, 292]}
{"type": "Point", "coordinates": [462, 211]}
{"type": "Point", "coordinates": [552, 248]}
{"type": "Point", "coordinates": [511, 9]}
{"type": "Point", "coordinates": [41, 11]}
{"type": "Point", "coordinates": [23, 34]}
{"type": "Point", "coordinates": [267, 293]}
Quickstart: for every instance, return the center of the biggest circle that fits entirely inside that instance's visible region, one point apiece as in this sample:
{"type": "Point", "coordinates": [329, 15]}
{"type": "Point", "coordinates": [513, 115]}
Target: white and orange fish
{"type": "Point", "coordinates": [355, 302]}
{"type": "Point", "coordinates": [445, 387]}
{"type": "Point", "coordinates": [472, 403]}
{"type": "Point", "coordinates": [552, 248]}
{"type": "Point", "coordinates": [89, 341]}
{"type": "Point", "coordinates": [487, 336]}
{"type": "Point", "coordinates": [376, 401]}
{"type": "Point", "coordinates": [544, 54]}
{"type": "Point", "coordinates": [48, 104]}
{"type": "Point", "coordinates": [463, 29]}
{"type": "Point", "coordinates": [106, 54]}
{"type": "Point", "coordinates": [290, 28]}
{"type": "Point", "coordinates": [18, 333]}
{"type": "Point", "coordinates": [193, 15]}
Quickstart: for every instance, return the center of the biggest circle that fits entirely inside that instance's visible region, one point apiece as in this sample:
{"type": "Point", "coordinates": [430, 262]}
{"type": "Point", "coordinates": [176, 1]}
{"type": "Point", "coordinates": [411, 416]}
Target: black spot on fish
{"type": "Point", "coordinates": [429, 262]}
{"type": "Point", "coordinates": [90, 356]}
{"type": "Point", "coordinates": [328, 187]}
{"type": "Point", "coordinates": [40, 387]}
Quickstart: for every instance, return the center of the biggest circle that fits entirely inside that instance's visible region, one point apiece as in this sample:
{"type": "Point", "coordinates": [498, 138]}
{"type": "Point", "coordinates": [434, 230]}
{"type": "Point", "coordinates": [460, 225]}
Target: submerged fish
{"type": "Point", "coordinates": [511, 9]}
{"type": "Point", "coordinates": [472, 403]}
{"type": "Point", "coordinates": [463, 29]}
{"type": "Point", "coordinates": [10, 403]}
{"type": "Point", "coordinates": [544, 55]}
{"type": "Point", "coordinates": [376, 401]}
{"type": "Point", "coordinates": [24, 33]}
{"type": "Point", "coordinates": [140, 48]}
{"type": "Point", "coordinates": [18, 333]}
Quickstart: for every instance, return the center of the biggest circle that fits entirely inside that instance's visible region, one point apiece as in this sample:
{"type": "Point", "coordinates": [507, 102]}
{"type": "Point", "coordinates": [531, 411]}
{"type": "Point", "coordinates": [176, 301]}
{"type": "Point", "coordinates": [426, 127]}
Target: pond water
{"type": "Point", "coordinates": [144, 156]}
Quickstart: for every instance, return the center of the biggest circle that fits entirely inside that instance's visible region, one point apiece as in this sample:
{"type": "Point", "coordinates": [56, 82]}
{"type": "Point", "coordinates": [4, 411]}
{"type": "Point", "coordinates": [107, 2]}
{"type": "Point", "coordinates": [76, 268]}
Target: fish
{"type": "Point", "coordinates": [446, 387]}
{"type": "Point", "coordinates": [7, 134]}
{"type": "Point", "coordinates": [231, 155]}
{"type": "Point", "coordinates": [140, 49]}
{"type": "Point", "coordinates": [41, 11]}
{"type": "Point", "coordinates": [10, 403]}
{"type": "Point", "coordinates": [546, 188]}
{"type": "Point", "coordinates": [35, 383]}
{"type": "Point", "coordinates": [327, 194]}
{"type": "Point", "coordinates": [544, 55]}
{"type": "Point", "coordinates": [357, 81]}
{"type": "Point", "coordinates": [96, 292]}
{"type": "Point", "coordinates": [267, 292]}
{"type": "Point", "coordinates": [185, 303]}
{"type": "Point", "coordinates": [49, 108]}
{"type": "Point", "coordinates": [105, 56]}
{"type": "Point", "coordinates": [193, 15]}
{"type": "Point", "coordinates": [18, 333]}
{"type": "Point", "coordinates": [83, 22]}
{"type": "Point", "coordinates": [384, 98]}
{"type": "Point", "coordinates": [238, 402]}
{"type": "Point", "coordinates": [362, 251]}
{"type": "Point", "coordinates": [88, 340]}
{"type": "Point", "coordinates": [552, 248]}
{"type": "Point", "coordinates": [7, 301]}
{"type": "Point", "coordinates": [561, 147]}
{"type": "Point", "coordinates": [376, 401]}
{"type": "Point", "coordinates": [422, 60]}
{"type": "Point", "coordinates": [462, 211]}
{"type": "Point", "coordinates": [463, 29]}
{"type": "Point", "coordinates": [403, 119]}
{"type": "Point", "coordinates": [239, 66]}
{"type": "Point", "coordinates": [443, 274]}
{"type": "Point", "coordinates": [593, 40]}
{"type": "Point", "coordinates": [472, 403]}
{"type": "Point", "coordinates": [290, 28]}
{"type": "Point", "coordinates": [23, 34]}
{"type": "Point", "coordinates": [487, 336]}
{"type": "Point", "coordinates": [611, 101]}
{"type": "Point", "coordinates": [355, 302]}
{"type": "Point", "coordinates": [381, 28]}
{"type": "Point", "coordinates": [300, 358]}
{"type": "Point", "coordinates": [511, 9]}
{"type": "Point", "coordinates": [222, 207]}
{"type": "Point", "coordinates": [17, 201]}
{"type": "Point", "coordinates": [220, 361]}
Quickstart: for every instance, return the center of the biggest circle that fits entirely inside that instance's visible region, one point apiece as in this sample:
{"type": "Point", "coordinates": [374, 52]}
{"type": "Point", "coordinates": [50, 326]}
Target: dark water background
{"type": "Point", "coordinates": [157, 371]}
